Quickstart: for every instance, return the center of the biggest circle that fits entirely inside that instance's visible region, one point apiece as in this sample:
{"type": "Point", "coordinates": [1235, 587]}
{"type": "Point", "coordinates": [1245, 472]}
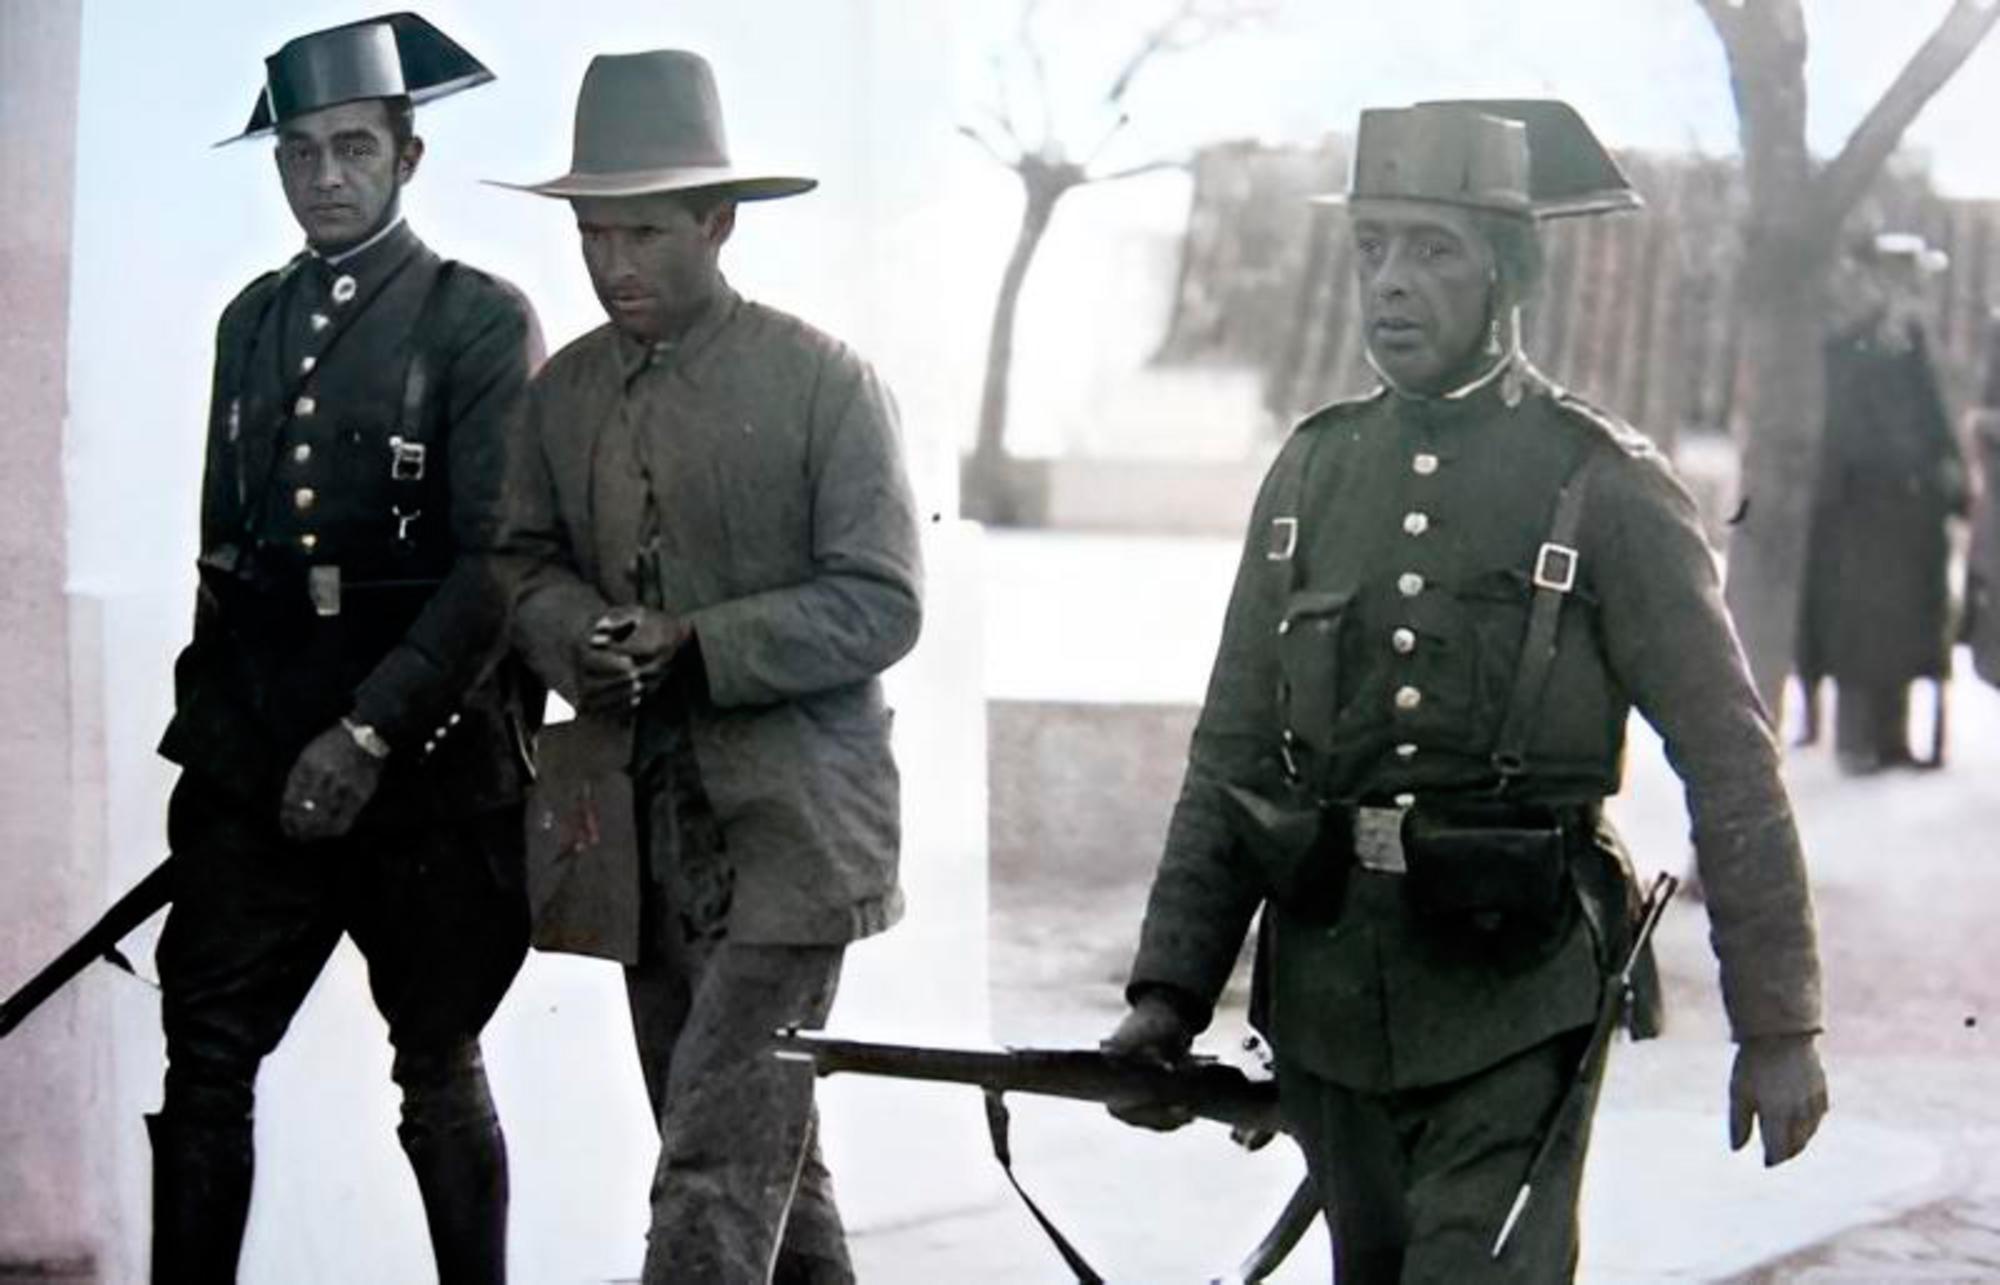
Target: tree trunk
{"type": "Point", "coordinates": [986, 490]}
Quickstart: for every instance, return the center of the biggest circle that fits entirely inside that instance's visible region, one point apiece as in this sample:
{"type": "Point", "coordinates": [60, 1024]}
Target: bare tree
{"type": "Point", "coordinates": [1038, 151]}
{"type": "Point", "coordinates": [1791, 236]}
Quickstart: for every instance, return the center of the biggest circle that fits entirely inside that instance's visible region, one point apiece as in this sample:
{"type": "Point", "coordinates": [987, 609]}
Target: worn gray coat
{"type": "Point", "coordinates": [788, 540]}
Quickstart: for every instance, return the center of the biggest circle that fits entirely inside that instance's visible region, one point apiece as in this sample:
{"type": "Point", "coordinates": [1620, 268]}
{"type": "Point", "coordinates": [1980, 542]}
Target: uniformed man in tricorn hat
{"type": "Point", "coordinates": [348, 743]}
{"type": "Point", "coordinates": [722, 558]}
{"type": "Point", "coordinates": [1453, 592]}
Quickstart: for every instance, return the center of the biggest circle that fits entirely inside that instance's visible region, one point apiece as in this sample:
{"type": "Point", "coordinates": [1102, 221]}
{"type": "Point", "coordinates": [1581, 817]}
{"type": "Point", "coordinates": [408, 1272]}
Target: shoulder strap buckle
{"type": "Point", "coordinates": [1555, 567]}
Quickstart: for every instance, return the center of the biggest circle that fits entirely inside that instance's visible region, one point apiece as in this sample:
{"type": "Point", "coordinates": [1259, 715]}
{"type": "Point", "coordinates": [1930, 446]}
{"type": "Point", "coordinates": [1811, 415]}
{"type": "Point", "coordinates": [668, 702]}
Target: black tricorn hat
{"type": "Point", "coordinates": [1533, 157]}
{"type": "Point", "coordinates": [395, 55]}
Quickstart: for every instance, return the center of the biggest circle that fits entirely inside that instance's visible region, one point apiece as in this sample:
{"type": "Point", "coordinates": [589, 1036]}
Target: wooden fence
{"type": "Point", "coordinates": [1637, 310]}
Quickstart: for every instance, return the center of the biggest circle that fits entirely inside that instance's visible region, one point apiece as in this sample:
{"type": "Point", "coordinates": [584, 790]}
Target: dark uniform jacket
{"type": "Point", "coordinates": [762, 460]}
{"type": "Point", "coordinates": [1876, 603]}
{"type": "Point", "coordinates": [1386, 645]}
{"type": "Point", "coordinates": [349, 506]}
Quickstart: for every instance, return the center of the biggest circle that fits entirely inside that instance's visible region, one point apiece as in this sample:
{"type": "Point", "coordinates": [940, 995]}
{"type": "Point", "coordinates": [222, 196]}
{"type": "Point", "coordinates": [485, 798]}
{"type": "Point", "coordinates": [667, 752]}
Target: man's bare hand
{"type": "Point", "coordinates": [1778, 1082]}
{"type": "Point", "coordinates": [1154, 1033]}
{"type": "Point", "coordinates": [625, 655]}
{"type": "Point", "coordinates": [330, 783]}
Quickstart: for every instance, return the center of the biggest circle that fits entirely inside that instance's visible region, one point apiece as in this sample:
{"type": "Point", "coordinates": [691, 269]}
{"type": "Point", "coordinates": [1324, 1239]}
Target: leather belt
{"type": "Point", "coordinates": [1378, 839]}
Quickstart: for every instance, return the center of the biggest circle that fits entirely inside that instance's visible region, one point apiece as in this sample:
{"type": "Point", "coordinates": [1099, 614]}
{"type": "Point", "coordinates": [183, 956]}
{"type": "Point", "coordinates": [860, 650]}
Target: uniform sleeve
{"type": "Point", "coordinates": [461, 631]}
{"type": "Point", "coordinates": [1207, 890]}
{"type": "Point", "coordinates": [1669, 640]}
{"type": "Point", "coordinates": [860, 608]}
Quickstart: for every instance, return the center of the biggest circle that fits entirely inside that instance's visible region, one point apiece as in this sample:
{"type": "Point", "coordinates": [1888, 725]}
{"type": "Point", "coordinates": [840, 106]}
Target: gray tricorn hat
{"type": "Point", "coordinates": [652, 122]}
{"type": "Point", "coordinates": [396, 55]}
{"type": "Point", "coordinates": [1532, 157]}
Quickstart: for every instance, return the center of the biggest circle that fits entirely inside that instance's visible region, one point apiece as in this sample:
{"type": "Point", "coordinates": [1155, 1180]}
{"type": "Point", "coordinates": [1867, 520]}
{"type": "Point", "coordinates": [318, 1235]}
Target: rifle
{"type": "Point", "coordinates": [1202, 1086]}
{"type": "Point", "coordinates": [1580, 1099]}
{"type": "Point", "coordinates": [99, 941]}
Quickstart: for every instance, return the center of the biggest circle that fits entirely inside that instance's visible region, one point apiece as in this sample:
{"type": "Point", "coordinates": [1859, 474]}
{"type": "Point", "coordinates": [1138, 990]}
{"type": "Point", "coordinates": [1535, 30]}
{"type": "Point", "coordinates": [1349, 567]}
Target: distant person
{"type": "Point", "coordinates": [1454, 591]}
{"type": "Point", "coordinates": [1876, 609]}
{"type": "Point", "coordinates": [722, 559]}
{"type": "Point", "coordinates": [349, 747]}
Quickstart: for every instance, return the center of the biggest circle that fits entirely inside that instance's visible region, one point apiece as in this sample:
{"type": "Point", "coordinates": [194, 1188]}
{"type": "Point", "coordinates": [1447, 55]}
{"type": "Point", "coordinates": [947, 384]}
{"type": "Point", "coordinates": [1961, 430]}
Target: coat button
{"type": "Point", "coordinates": [343, 288]}
{"type": "Point", "coordinates": [1404, 800]}
{"type": "Point", "coordinates": [309, 542]}
{"type": "Point", "coordinates": [1416, 523]}
{"type": "Point", "coordinates": [1408, 698]}
{"type": "Point", "coordinates": [1284, 627]}
{"type": "Point", "coordinates": [306, 365]}
{"type": "Point", "coordinates": [302, 452]}
{"type": "Point", "coordinates": [1404, 641]}
{"type": "Point", "coordinates": [1407, 750]}
{"type": "Point", "coordinates": [1409, 584]}
{"type": "Point", "coordinates": [320, 321]}
{"type": "Point", "coordinates": [304, 498]}
{"type": "Point", "coordinates": [1424, 464]}
{"type": "Point", "coordinates": [304, 407]}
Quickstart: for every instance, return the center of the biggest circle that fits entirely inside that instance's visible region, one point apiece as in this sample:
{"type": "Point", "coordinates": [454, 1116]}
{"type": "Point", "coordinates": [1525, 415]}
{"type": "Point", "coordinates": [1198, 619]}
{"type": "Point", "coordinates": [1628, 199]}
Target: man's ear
{"type": "Point", "coordinates": [721, 222]}
{"type": "Point", "coordinates": [409, 158]}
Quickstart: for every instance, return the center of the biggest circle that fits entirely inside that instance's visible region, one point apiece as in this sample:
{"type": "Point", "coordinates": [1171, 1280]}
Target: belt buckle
{"type": "Point", "coordinates": [1378, 839]}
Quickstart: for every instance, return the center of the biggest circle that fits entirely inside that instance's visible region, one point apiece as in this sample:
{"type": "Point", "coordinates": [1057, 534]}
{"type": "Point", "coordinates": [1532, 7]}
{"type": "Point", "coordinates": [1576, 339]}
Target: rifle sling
{"type": "Point", "coordinates": [997, 1119]}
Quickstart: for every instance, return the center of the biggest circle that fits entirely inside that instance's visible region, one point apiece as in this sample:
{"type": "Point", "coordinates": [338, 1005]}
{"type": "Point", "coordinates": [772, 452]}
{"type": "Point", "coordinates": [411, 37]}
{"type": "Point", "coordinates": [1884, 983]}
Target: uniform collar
{"type": "Point", "coordinates": [367, 265]}
{"type": "Point", "coordinates": [636, 357]}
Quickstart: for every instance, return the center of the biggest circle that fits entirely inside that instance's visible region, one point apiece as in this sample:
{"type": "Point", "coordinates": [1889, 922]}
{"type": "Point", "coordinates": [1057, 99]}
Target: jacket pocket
{"type": "Point", "coordinates": [1309, 678]}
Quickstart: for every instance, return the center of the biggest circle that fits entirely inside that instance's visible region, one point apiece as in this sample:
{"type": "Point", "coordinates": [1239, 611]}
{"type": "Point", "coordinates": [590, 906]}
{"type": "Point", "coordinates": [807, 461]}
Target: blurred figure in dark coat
{"type": "Point", "coordinates": [1876, 608]}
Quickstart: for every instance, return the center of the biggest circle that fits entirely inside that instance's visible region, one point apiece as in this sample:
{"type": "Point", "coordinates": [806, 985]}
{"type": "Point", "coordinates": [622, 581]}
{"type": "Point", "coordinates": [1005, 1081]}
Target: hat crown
{"type": "Point", "coordinates": [395, 55]}
{"type": "Point", "coordinates": [656, 110]}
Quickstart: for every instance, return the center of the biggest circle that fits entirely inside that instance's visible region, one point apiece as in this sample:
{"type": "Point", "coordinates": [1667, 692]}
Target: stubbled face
{"type": "Point", "coordinates": [652, 260]}
{"type": "Point", "coordinates": [1427, 278]}
{"type": "Point", "coordinates": [342, 172]}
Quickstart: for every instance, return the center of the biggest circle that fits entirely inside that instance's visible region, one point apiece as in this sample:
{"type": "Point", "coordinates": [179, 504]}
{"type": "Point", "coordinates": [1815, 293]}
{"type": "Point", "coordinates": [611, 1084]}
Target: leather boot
{"type": "Point", "coordinates": [201, 1199]}
{"type": "Point", "coordinates": [462, 1175]}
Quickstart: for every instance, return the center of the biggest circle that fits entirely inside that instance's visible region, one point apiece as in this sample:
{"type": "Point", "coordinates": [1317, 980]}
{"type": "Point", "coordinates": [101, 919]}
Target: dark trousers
{"type": "Point", "coordinates": [1416, 1183]}
{"type": "Point", "coordinates": [740, 1194]}
{"type": "Point", "coordinates": [1871, 724]}
{"type": "Point", "coordinates": [437, 911]}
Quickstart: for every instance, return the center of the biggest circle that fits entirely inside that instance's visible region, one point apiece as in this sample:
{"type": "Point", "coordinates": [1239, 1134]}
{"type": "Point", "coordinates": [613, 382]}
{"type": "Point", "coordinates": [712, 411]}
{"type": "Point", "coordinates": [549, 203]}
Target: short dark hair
{"type": "Point", "coordinates": [1517, 251]}
{"type": "Point", "coordinates": [402, 119]}
{"type": "Point", "coordinates": [704, 201]}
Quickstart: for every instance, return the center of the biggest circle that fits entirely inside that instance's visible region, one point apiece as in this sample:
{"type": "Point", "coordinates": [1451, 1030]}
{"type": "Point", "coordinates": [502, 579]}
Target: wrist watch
{"type": "Point", "coordinates": [367, 738]}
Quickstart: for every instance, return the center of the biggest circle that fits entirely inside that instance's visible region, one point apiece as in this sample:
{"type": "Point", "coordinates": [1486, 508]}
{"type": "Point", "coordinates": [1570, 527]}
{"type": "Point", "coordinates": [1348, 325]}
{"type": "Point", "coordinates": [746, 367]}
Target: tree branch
{"type": "Point", "coordinates": [1842, 184]}
{"type": "Point", "coordinates": [989, 147]}
{"type": "Point", "coordinates": [1134, 171]}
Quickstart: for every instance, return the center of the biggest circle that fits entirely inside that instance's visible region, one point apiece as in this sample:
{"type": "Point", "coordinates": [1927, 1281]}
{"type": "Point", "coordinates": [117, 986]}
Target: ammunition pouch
{"type": "Point", "coordinates": [1298, 847]}
{"type": "Point", "coordinates": [1491, 880]}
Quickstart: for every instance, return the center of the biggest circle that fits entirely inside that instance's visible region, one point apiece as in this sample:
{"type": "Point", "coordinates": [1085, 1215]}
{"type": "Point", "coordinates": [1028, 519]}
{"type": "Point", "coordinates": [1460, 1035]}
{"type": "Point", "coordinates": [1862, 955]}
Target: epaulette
{"type": "Point", "coordinates": [1345, 408]}
{"type": "Point", "coordinates": [1614, 430]}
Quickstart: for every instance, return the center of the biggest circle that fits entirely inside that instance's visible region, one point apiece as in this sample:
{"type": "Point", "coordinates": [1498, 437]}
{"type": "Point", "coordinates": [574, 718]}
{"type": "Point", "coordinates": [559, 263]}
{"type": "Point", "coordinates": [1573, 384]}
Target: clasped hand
{"type": "Point", "coordinates": [625, 655]}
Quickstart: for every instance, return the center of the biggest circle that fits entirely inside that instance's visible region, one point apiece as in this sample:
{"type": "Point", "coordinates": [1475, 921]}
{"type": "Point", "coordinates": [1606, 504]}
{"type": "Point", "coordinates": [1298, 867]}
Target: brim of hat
{"type": "Point", "coordinates": [741, 186]}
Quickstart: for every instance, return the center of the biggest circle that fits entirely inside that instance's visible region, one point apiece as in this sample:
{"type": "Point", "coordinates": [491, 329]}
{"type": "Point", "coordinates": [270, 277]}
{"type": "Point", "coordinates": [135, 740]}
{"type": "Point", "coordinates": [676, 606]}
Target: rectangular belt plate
{"type": "Point", "coordinates": [1378, 839]}
{"type": "Point", "coordinates": [323, 583]}
{"type": "Point", "coordinates": [406, 460]}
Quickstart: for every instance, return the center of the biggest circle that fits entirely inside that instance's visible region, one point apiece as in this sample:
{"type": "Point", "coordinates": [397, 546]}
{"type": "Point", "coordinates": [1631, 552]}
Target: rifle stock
{"type": "Point", "coordinates": [99, 941]}
{"type": "Point", "coordinates": [1210, 1089]}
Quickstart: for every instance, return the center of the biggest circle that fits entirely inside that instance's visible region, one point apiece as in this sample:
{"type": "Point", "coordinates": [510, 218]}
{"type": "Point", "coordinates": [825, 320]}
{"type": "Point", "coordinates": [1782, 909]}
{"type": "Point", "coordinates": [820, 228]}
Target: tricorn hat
{"type": "Point", "coordinates": [652, 122]}
{"type": "Point", "coordinates": [396, 55]}
{"type": "Point", "coordinates": [1532, 157]}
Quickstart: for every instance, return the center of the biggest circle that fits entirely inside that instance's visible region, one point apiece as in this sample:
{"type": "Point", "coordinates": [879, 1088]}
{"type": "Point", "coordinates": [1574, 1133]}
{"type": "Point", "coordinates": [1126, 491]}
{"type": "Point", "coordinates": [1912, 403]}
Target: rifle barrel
{"type": "Point", "coordinates": [101, 938]}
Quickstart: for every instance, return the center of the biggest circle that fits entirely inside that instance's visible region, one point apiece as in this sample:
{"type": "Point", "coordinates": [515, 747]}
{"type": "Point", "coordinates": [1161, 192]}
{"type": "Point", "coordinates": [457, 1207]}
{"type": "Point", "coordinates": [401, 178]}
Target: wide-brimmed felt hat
{"type": "Point", "coordinates": [652, 122]}
{"type": "Point", "coordinates": [1531, 157]}
{"type": "Point", "coordinates": [396, 55]}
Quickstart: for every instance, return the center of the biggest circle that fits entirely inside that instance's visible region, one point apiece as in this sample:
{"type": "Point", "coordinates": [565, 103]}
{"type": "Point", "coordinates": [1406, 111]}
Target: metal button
{"type": "Point", "coordinates": [430, 746]}
{"type": "Point", "coordinates": [304, 497]}
{"type": "Point", "coordinates": [1284, 627]}
{"type": "Point", "coordinates": [343, 288]}
{"type": "Point", "coordinates": [320, 321]}
{"type": "Point", "coordinates": [1407, 750]}
{"type": "Point", "coordinates": [302, 452]}
{"type": "Point", "coordinates": [1416, 523]}
{"type": "Point", "coordinates": [1409, 584]}
{"type": "Point", "coordinates": [1405, 800]}
{"type": "Point", "coordinates": [1408, 698]}
{"type": "Point", "coordinates": [309, 541]}
{"type": "Point", "coordinates": [1404, 641]}
{"type": "Point", "coordinates": [304, 407]}
{"type": "Point", "coordinates": [452, 721]}
{"type": "Point", "coordinates": [1425, 464]}
{"type": "Point", "coordinates": [306, 364]}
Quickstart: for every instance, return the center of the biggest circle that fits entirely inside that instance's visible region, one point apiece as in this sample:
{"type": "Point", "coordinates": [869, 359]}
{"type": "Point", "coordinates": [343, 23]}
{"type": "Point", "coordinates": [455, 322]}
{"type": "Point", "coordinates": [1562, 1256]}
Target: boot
{"type": "Point", "coordinates": [201, 1199]}
{"type": "Point", "coordinates": [462, 1175]}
